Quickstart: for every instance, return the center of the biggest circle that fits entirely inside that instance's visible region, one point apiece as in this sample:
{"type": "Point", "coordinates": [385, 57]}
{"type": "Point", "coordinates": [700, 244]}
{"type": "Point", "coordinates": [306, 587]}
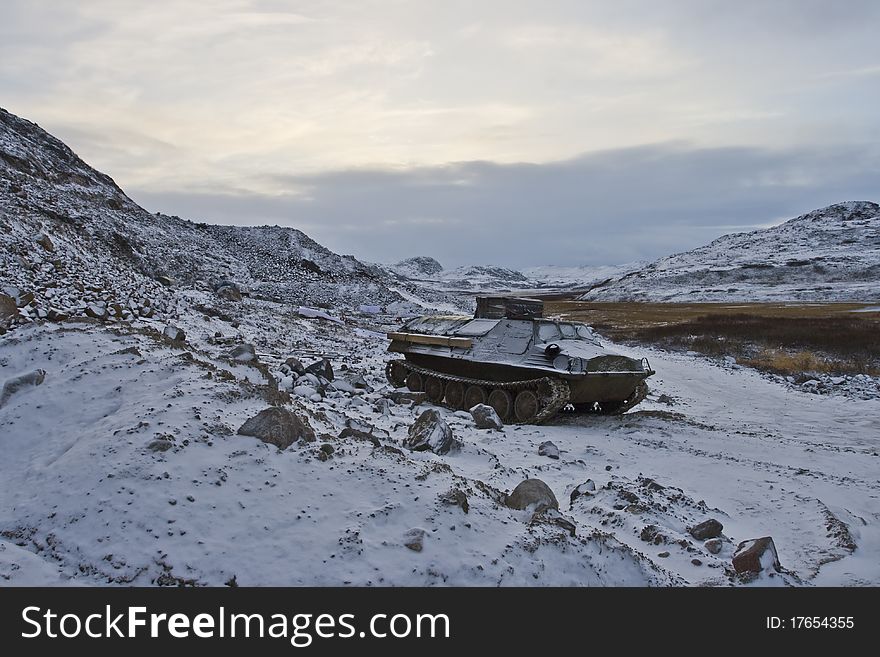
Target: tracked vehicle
{"type": "Point", "coordinates": [527, 367]}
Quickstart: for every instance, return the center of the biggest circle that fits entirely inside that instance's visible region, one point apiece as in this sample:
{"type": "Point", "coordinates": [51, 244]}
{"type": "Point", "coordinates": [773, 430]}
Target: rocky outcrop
{"type": "Point", "coordinates": [277, 426]}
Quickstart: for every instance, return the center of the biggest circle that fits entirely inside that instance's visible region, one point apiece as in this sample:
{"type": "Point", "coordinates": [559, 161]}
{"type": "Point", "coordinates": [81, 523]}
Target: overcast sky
{"type": "Point", "coordinates": [490, 131]}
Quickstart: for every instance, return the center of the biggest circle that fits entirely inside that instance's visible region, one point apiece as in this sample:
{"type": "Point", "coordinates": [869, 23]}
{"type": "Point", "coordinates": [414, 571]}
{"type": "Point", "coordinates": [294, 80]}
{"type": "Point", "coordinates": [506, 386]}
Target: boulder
{"type": "Point", "coordinates": [549, 450]}
{"type": "Point", "coordinates": [243, 353]}
{"type": "Point", "coordinates": [174, 334]}
{"type": "Point", "coordinates": [430, 432]}
{"type": "Point", "coordinates": [97, 311]}
{"type": "Point", "coordinates": [321, 368]}
{"type": "Point", "coordinates": [12, 386]}
{"type": "Point", "coordinates": [532, 493]}
{"type": "Point", "coordinates": [304, 391]}
{"type": "Point", "coordinates": [8, 307]}
{"type": "Point", "coordinates": [295, 365]}
{"type": "Point", "coordinates": [713, 545]}
{"type": "Point", "coordinates": [486, 417]}
{"type": "Point", "coordinates": [756, 555]}
{"type": "Point", "coordinates": [24, 298]}
{"type": "Point", "coordinates": [708, 529]}
{"type": "Point", "coordinates": [277, 426]}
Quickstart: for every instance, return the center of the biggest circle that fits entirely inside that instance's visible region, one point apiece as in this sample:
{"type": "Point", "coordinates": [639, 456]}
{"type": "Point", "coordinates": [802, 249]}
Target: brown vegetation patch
{"type": "Point", "coordinates": [789, 339]}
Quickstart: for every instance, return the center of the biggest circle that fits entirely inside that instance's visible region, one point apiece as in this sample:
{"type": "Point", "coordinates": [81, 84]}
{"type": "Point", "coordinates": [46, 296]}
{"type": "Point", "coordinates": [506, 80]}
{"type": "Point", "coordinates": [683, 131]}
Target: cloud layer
{"type": "Point", "coordinates": [604, 208]}
{"type": "Point", "coordinates": [376, 123]}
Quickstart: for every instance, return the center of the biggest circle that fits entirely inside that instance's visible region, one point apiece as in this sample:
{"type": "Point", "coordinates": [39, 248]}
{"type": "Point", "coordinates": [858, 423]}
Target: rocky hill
{"type": "Point", "coordinates": [73, 244]}
{"type": "Point", "coordinates": [830, 254]}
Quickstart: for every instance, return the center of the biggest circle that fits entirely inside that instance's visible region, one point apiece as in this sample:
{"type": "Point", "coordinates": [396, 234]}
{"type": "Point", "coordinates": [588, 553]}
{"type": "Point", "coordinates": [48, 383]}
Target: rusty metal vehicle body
{"type": "Point", "coordinates": [527, 367]}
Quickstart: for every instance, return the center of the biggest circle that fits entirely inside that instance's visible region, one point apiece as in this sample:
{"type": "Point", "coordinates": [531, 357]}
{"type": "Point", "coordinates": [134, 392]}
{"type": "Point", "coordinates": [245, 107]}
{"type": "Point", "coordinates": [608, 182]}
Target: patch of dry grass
{"type": "Point", "coordinates": [789, 339]}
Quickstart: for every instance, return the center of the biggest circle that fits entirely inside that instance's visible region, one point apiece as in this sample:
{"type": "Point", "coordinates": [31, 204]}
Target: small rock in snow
{"type": "Point", "coordinates": [585, 488]}
{"type": "Point", "coordinates": [304, 391]}
{"type": "Point", "coordinates": [456, 497]}
{"type": "Point", "coordinates": [342, 386]}
{"type": "Point", "coordinates": [708, 529]}
{"type": "Point", "coordinates": [243, 353]}
{"type": "Point", "coordinates": [548, 449]}
{"type": "Point", "coordinates": [174, 334]}
{"type": "Point", "coordinates": [486, 417]}
{"type": "Point", "coordinates": [430, 432]}
{"type": "Point", "coordinates": [97, 311]}
{"type": "Point", "coordinates": [713, 545]}
{"type": "Point", "coordinates": [15, 384]}
{"type": "Point", "coordinates": [755, 555]}
{"type": "Point", "coordinates": [277, 426]}
{"type": "Point", "coordinates": [321, 368]}
{"type": "Point", "coordinates": [403, 397]}
{"type": "Point", "coordinates": [414, 539]}
{"type": "Point", "coordinates": [160, 445]}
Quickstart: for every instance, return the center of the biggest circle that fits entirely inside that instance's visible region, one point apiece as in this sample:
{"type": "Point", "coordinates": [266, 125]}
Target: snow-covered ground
{"type": "Point", "coordinates": [87, 500]}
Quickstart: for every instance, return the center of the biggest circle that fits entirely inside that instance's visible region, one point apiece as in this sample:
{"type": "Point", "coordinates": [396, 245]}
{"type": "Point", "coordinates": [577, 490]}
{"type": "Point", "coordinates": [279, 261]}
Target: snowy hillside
{"type": "Point", "coordinates": [64, 221]}
{"type": "Point", "coordinates": [831, 254]}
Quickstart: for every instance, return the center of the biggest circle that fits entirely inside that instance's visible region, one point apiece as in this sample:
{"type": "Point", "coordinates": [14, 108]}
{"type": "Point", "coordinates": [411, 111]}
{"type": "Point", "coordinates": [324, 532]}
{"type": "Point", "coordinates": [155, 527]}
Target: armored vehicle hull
{"type": "Point", "coordinates": [526, 367]}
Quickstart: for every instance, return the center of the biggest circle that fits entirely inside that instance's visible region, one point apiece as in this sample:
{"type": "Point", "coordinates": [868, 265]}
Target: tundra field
{"type": "Point", "coordinates": [792, 339]}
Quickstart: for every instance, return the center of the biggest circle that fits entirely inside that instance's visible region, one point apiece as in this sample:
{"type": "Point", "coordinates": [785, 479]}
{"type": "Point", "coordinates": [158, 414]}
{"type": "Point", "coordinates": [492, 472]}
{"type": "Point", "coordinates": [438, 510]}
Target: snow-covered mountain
{"type": "Point", "coordinates": [488, 278]}
{"type": "Point", "coordinates": [828, 254]}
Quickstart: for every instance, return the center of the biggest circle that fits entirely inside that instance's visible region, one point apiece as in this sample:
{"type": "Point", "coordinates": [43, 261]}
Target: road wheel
{"type": "Point", "coordinates": [526, 406]}
{"type": "Point", "coordinates": [502, 402]}
{"type": "Point", "coordinates": [474, 395]}
{"type": "Point", "coordinates": [434, 389]}
{"type": "Point", "coordinates": [414, 382]}
{"type": "Point", "coordinates": [455, 394]}
{"type": "Point", "coordinates": [395, 372]}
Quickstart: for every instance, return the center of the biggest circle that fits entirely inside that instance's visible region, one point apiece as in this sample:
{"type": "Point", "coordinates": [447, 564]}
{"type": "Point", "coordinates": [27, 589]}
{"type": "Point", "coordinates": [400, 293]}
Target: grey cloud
{"type": "Point", "coordinates": [601, 208]}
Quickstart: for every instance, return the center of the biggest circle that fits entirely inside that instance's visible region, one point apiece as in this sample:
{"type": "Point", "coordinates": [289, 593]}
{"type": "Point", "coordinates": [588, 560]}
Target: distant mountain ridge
{"type": "Point", "coordinates": [829, 254]}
